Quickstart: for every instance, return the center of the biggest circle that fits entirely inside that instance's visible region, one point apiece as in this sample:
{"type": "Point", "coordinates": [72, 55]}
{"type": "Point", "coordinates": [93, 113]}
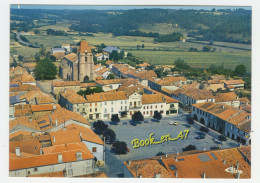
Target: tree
{"type": "Point", "coordinates": [189, 148]}
{"type": "Point", "coordinates": [36, 31]}
{"type": "Point", "coordinates": [206, 48]}
{"type": "Point", "coordinates": [20, 58]}
{"type": "Point", "coordinates": [74, 50]}
{"type": "Point", "coordinates": [157, 115]}
{"type": "Point", "coordinates": [114, 56]}
{"type": "Point", "coordinates": [42, 51]}
{"type": "Point", "coordinates": [37, 56]}
{"type": "Point", "coordinates": [45, 69]}
{"type": "Point", "coordinates": [111, 76]}
{"type": "Point", "coordinates": [142, 45]}
{"type": "Point", "coordinates": [110, 135]}
{"type": "Point", "coordinates": [115, 118]}
{"type": "Point", "coordinates": [240, 70]}
{"type": "Point", "coordinates": [120, 147]}
{"type": "Point", "coordinates": [100, 127]}
{"type": "Point", "coordinates": [137, 116]}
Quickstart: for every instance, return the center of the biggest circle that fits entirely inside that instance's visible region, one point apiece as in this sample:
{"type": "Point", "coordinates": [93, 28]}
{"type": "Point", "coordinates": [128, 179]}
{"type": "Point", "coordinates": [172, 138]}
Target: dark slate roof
{"type": "Point", "coordinates": [14, 99]}
{"type": "Point", "coordinates": [14, 85]}
{"type": "Point", "coordinates": [109, 49]}
{"type": "Point", "coordinates": [58, 49]}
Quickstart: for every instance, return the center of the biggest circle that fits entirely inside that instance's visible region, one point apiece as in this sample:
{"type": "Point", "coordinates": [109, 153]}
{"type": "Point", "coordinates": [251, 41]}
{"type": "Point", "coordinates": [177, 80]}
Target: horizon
{"type": "Point", "coordinates": [122, 7]}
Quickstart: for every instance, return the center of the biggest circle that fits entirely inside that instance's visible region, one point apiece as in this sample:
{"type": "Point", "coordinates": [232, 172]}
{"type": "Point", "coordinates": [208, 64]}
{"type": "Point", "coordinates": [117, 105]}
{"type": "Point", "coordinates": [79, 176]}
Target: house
{"type": "Point", "coordinates": [227, 120]}
{"type": "Point", "coordinates": [110, 49]}
{"type": "Point", "coordinates": [73, 102]}
{"type": "Point", "coordinates": [109, 64]}
{"type": "Point", "coordinates": [56, 50]}
{"type": "Point", "coordinates": [48, 122]}
{"type": "Point", "coordinates": [111, 84]}
{"type": "Point", "coordinates": [190, 96]}
{"type": "Point", "coordinates": [37, 97]}
{"type": "Point", "coordinates": [23, 79]}
{"type": "Point", "coordinates": [234, 84]}
{"type": "Point", "coordinates": [172, 83]}
{"type": "Point", "coordinates": [98, 67]}
{"type": "Point", "coordinates": [30, 67]}
{"type": "Point", "coordinates": [67, 47]}
{"type": "Point", "coordinates": [102, 56]}
{"type": "Point", "coordinates": [214, 85]}
{"type": "Point", "coordinates": [121, 70]}
{"type": "Point", "coordinates": [59, 56]}
{"type": "Point", "coordinates": [142, 75]}
{"type": "Point", "coordinates": [152, 103]}
{"type": "Point", "coordinates": [143, 65]}
{"type": "Point", "coordinates": [218, 77]}
{"type": "Point", "coordinates": [229, 98]}
{"type": "Point", "coordinates": [110, 103]}
{"type": "Point", "coordinates": [59, 86]}
{"type": "Point", "coordinates": [194, 164]}
{"type": "Point", "coordinates": [18, 70]}
{"type": "Point", "coordinates": [103, 73]}
{"type": "Point", "coordinates": [73, 159]}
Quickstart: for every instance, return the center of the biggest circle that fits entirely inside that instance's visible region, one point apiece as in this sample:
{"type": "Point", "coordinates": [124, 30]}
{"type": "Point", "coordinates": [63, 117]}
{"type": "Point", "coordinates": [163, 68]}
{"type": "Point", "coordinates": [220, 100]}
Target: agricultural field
{"type": "Point", "coordinates": [162, 28]}
{"type": "Point", "coordinates": [158, 53]}
{"type": "Point", "coordinates": [197, 59]}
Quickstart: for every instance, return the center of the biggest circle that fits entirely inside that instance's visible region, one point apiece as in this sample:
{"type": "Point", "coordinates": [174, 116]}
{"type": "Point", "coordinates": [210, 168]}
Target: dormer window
{"type": "Point", "coordinates": [79, 155]}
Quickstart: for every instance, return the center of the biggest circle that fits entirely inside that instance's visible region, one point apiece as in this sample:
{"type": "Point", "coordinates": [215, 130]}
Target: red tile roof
{"type": "Point", "coordinates": [225, 97]}
{"type": "Point", "coordinates": [84, 47]}
{"type": "Point", "coordinates": [73, 97]}
{"type": "Point", "coordinates": [65, 83]}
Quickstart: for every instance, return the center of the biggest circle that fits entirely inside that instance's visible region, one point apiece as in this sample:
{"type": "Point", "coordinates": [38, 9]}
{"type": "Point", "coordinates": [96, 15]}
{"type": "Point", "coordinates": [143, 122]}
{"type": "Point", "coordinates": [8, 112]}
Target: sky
{"type": "Point", "coordinates": [77, 7]}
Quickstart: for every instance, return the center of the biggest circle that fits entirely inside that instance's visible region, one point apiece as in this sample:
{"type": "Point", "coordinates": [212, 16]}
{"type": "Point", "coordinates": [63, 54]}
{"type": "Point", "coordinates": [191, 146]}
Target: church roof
{"type": "Point", "coordinates": [84, 46]}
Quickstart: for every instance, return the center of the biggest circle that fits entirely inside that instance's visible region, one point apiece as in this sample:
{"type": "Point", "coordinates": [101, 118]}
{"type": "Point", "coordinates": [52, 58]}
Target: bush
{"type": "Point", "coordinates": [204, 129]}
{"type": "Point", "coordinates": [189, 148]}
{"type": "Point", "coordinates": [222, 138]}
{"type": "Point", "coordinates": [100, 127]}
{"type": "Point", "coordinates": [45, 69]}
{"type": "Point", "coordinates": [110, 136]}
{"type": "Point", "coordinates": [120, 147]}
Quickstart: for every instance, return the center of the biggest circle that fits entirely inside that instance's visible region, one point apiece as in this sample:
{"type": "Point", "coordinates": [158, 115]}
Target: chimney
{"type": "Point", "coordinates": [30, 120]}
{"type": "Point", "coordinates": [17, 151]}
{"type": "Point", "coordinates": [222, 106]}
{"type": "Point", "coordinates": [56, 122]}
{"type": "Point", "coordinates": [177, 152]}
{"type": "Point", "coordinates": [237, 165]}
{"type": "Point", "coordinates": [224, 161]}
{"type": "Point", "coordinates": [33, 134]}
{"type": "Point", "coordinates": [176, 174]}
{"type": "Point", "coordinates": [54, 140]}
{"type": "Point", "coordinates": [80, 134]}
{"type": "Point", "coordinates": [175, 158]}
{"type": "Point", "coordinates": [166, 155]}
{"type": "Point", "coordinates": [161, 157]}
{"type": "Point", "coordinates": [204, 149]}
{"type": "Point", "coordinates": [140, 176]}
{"type": "Point", "coordinates": [129, 162]}
{"type": "Point", "coordinates": [238, 175]}
{"type": "Point", "coordinates": [204, 175]}
{"type": "Point", "coordinates": [41, 152]}
{"type": "Point", "coordinates": [22, 105]}
{"type": "Point", "coordinates": [248, 117]}
{"type": "Point", "coordinates": [158, 175]}
{"type": "Point", "coordinates": [54, 107]}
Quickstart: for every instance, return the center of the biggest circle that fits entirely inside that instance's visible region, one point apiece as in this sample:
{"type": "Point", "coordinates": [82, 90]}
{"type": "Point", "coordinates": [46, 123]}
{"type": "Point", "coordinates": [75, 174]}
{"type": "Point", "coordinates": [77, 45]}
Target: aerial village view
{"type": "Point", "coordinates": [130, 92]}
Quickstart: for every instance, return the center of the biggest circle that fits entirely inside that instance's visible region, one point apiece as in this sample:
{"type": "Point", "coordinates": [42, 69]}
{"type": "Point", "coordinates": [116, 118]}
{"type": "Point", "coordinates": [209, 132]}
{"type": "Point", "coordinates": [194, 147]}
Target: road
{"type": "Point", "coordinates": [18, 34]}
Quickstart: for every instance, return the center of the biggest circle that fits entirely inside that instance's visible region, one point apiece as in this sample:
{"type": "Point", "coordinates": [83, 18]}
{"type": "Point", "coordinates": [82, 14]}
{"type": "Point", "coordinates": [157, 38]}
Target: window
{"type": "Point", "coordinates": [147, 112]}
{"type": "Point", "coordinates": [77, 109]}
{"type": "Point", "coordinates": [144, 107]}
{"type": "Point", "coordinates": [105, 110]}
{"type": "Point", "coordinates": [51, 168]}
{"type": "Point", "coordinates": [121, 101]}
{"type": "Point", "coordinates": [79, 155]}
{"type": "Point", "coordinates": [156, 106]}
{"type": "Point", "coordinates": [125, 108]}
{"type": "Point", "coordinates": [111, 102]}
{"type": "Point", "coordinates": [143, 113]}
{"type": "Point", "coordinates": [139, 103]}
{"type": "Point", "coordinates": [70, 172]}
{"type": "Point", "coordinates": [88, 169]}
{"type": "Point", "coordinates": [147, 107]}
{"type": "Point", "coordinates": [125, 101]}
{"type": "Point", "coordinates": [112, 109]}
{"type": "Point", "coordinates": [17, 172]}
{"type": "Point", "coordinates": [151, 106]}
{"type": "Point", "coordinates": [95, 104]}
{"type": "Point", "coordinates": [94, 149]}
{"type": "Point", "coordinates": [35, 169]}
{"type": "Point", "coordinates": [83, 109]}
{"type": "Point", "coordinates": [90, 110]}
{"type": "Point", "coordinates": [161, 106]}
{"type": "Point", "coordinates": [90, 104]}
{"type": "Point", "coordinates": [95, 109]}
{"type": "Point", "coordinates": [105, 103]}
{"type": "Point", "coordinates": [121, 108]}
{"type": "Point", "coordinates": [69, 165]}
{"type": "Point", "coordinates": [130, 103]}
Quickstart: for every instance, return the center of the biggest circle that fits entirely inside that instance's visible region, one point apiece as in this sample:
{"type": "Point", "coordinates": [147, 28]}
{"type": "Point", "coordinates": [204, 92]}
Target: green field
{"type": "Point", "coordinates": [197, 59]}
{"type": "Point", "coordinates": [166, 53]}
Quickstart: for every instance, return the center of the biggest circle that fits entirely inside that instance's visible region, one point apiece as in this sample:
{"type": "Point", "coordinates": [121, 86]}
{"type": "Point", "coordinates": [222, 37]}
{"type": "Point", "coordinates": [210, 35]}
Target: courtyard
{"type": "Point", "coordinates": [127, 132]}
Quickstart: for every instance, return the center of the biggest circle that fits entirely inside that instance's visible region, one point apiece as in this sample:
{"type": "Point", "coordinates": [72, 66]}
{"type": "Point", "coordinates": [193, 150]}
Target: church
{"type": "Point", "coordinates": [80, 66]}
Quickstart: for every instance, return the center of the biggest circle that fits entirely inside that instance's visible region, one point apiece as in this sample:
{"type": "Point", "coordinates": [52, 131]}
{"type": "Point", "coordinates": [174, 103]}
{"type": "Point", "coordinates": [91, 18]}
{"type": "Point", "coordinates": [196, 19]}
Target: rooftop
{"type": "Point", "coordinates": [84, 47]}
{"type": "Point", "coordinates": [98, 97]}
{"type": "Point", "coordinates": [73, 97]}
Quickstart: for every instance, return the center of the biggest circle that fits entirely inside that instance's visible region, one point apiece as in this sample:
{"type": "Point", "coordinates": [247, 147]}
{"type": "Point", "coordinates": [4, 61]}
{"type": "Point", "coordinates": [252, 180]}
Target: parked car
{"type": "Point", "coordinates": [174, 123]}
{"type": "Point", "coordinates": [200, 137]}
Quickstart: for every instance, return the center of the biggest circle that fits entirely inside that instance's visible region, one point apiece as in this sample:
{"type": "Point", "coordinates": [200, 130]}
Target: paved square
{"type": "Point", "coordinates": [142, 131]}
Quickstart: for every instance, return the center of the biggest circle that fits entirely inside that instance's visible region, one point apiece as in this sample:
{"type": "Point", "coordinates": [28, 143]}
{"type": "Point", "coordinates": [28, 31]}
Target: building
{"type": "Point", "coordinates": [142, 75]}
{"type": "Point", "coordinates": [58, 50]}
{"type": "Point", "coordinates": [60, 86]}
{"type": "Point", "coordinates": [229, 98]}
{"type": "Point", "coordinates": [109, 64]}
{"type": "Point", "coordinates": [214, 85]}
{"type": "Point", "coordinates": [110, 49]}
{"type": "Point", "coordinates": [67, 47]}
{"type": "Point", "coordinates": [73, 159]}
{"type": "Point", "coordinates": [229, 121]}
{"type": "Point", "coordinates": [191, 96]}
{"type": "Point", "coordinates": [228, 163]}
{"type": "Point", "coordinates": [111, 84]}
{"type": "Point", "coordinates": [109, 103]}
{"type": "Point", "coordinates": [234, 84]}
{"type": "Point", "coordinates": [171, 83]}
{"type": "Point", "coordinates": [78, 67]}
{"type": "Point", "coordinates": [23, 79]}
{"type": "Point", "coordinates": [37, 97]}
{"type": "Point", "coordinates": [73, 102]}
{"type": "Point", "coordinates": [102, 56]}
